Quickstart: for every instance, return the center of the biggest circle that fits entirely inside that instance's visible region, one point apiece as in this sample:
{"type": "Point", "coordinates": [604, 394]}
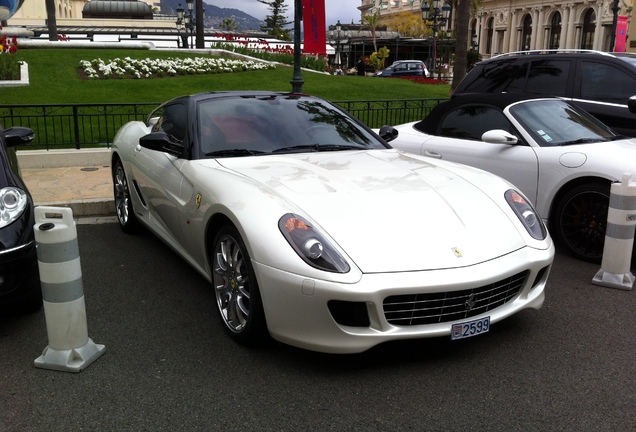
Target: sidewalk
{"type": "Point", "coordinates": [86, 188]}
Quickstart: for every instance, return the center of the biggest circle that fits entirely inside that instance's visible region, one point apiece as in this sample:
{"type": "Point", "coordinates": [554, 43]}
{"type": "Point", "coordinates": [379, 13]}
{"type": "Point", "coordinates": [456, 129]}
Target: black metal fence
{"type": "Point", "coordinates": [95, 125]}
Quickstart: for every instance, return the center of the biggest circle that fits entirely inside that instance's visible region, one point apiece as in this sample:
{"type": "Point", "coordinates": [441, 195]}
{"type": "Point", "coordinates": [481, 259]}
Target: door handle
{"type": "Point", "coordinates": [432, 153]}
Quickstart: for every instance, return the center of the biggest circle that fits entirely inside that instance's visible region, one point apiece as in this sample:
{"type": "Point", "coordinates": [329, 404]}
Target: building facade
{"type": "Point", "coordinates": [500, 26]}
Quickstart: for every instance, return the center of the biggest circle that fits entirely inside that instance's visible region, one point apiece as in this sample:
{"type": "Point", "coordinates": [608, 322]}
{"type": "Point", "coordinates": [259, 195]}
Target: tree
{"type": "Point", "coordinates": [275, 23]}
{"type": "Point", "coordinates": [462, 19]}
{"type": "Point", "coordinates": [50, 19]}
{"type": "Point", "coordinates": [408, 24]}
{"type": "Point", "coordinates": [377, 58]}
{"type": "Point", "coordinates": [371, 22]}
{"type": "Point", "coordinates": [228, 24]}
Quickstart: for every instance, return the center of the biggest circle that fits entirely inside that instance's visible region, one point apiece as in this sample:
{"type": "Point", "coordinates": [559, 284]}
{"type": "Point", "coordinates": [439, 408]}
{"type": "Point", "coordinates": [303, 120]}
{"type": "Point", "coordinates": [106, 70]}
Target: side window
{"type": "Point", "coordinates": [472, 121]}
{"type": "Point", "coordinates": [549, 77]}
{"type": "Point", "coordinates": [173, 121]}
{"type": "Point", "coordinates": [605, 82]}
{"type": "Point", "coordinates": [498, 77]}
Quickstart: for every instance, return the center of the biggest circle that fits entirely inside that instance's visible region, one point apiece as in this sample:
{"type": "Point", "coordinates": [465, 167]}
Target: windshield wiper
{"type": "Point", "coordinates": [234, 152]}
{"type": "Point", "coordinates": [582, 141]}
{"type": "Point", "coordinates": [316, 148]}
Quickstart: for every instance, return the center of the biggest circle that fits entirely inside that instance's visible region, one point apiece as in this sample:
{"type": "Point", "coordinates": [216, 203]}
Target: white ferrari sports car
{"type": "Point", "coordinates": [311, 229]}
{"type": "Point", "coordinates": [562, 159]}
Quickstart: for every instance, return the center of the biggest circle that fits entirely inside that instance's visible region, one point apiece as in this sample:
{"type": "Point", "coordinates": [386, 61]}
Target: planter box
{"type": "Point", "coordinates": [24, 77]}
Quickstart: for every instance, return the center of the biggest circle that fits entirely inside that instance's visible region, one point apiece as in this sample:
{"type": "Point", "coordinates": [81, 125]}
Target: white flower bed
{"type": "Point", "coordinates": [146, 68]}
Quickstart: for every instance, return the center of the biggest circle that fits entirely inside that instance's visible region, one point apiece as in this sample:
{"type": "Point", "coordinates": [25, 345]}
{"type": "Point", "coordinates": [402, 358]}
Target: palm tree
{"type": "Point", "coordinates": [371, 22]}
{"type": "Point", "coordinates": [228, 24]}
{"type": "Point", "coordinates": [463, 8]}
{"type": "Point", "coordinates": [50, 19]}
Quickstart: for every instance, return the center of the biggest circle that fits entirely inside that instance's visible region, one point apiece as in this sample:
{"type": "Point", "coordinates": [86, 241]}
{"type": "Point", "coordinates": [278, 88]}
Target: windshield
{"type": "Point", "coordinates": [276, 124]}
{"type": "Point", "coordinates": [556, 122]}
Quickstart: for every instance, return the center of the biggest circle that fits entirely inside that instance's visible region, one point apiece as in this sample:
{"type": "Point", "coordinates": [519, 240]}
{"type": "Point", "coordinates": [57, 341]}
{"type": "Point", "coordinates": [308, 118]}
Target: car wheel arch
{"type": "Point", "coordinates": [570, 185]}
{"type": "Point", "coordinates": [577, 222]}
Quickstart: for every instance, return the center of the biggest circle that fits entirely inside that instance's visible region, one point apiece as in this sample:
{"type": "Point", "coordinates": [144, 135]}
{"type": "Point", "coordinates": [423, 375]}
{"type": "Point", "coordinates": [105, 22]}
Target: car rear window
{"type": "Point", "coordinates": [545, 77]}
{"type": "Point", "coordinates": [548, 77]}
{"type": "Point", "coordinates": [495, 77]}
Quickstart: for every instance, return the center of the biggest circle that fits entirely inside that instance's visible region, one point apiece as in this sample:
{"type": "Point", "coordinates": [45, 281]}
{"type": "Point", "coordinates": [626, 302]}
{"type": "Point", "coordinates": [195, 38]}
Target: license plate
{"type": "Point", "coordinates": [470, 328]}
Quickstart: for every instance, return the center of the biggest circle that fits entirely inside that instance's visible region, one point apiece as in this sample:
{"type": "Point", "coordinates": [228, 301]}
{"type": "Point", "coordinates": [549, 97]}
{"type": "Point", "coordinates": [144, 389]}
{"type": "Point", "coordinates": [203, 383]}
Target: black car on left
{"type": "Point", "coordinates": [19, 275]}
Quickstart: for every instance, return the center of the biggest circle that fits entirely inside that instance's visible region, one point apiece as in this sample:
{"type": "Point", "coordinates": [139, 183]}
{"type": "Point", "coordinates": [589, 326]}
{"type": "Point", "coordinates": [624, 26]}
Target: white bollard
{"type": "Point", "coordinates": [70, 349]}
{"type": "Point", "coordinates": [619, 237]}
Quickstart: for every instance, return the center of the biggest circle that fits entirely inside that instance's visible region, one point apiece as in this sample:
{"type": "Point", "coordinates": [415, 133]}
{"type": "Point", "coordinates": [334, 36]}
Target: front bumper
{"type": "Point", "coordinates": [298, 313]}
{"type": "Point", "coordinates": [19, 274]}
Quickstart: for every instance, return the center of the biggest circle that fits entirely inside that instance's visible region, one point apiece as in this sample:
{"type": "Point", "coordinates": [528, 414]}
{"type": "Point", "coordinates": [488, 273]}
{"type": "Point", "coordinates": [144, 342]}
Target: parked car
{"type": "Point", "coordinates": [19, 274]}
{"type": "Point", "coordinates": [601, 83]}
{"type": "Point", "coordinates": [312, 229]}
{"type": "Point", "coordinates": [402, 68]}
{"type": "Point", "coordinates": [561, 157]}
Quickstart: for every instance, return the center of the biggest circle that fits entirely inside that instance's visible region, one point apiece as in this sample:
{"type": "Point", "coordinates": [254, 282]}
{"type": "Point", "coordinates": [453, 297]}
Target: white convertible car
{"type": "Point", "coordinates": [313, 230]}
{"type": "Point", "coordinates": [560, 157]}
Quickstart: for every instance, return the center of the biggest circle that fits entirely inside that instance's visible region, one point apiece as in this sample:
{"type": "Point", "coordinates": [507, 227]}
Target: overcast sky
{"type": "Point", "coordinates": [343, 10]}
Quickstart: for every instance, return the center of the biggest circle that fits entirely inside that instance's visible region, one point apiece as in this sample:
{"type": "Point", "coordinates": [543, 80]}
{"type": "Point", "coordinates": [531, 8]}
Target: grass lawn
{"type": "Point", "coordinates": [54, 78]}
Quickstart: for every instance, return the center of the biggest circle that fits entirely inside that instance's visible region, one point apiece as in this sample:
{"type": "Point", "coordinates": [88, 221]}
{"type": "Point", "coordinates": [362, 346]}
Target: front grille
{"type": "Point", "coordinates": [451, 306]}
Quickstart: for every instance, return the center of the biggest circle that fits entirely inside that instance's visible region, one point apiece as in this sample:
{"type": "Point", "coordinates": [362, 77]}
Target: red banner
{"type": "Point", "coordinates": [621, 34]}
{"type": "Point", "coordinates": [314, 27]}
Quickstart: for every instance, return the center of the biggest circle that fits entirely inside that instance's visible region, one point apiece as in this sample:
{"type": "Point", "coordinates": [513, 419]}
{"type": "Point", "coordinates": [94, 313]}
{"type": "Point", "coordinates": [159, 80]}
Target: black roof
{"type": "Point", "coordinates": [497, 100]}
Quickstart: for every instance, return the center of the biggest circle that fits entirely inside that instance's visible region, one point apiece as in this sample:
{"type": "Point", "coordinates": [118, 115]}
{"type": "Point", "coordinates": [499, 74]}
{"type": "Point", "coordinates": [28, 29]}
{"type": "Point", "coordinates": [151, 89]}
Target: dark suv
{"type": "Point", "coordinates": [599, 82]}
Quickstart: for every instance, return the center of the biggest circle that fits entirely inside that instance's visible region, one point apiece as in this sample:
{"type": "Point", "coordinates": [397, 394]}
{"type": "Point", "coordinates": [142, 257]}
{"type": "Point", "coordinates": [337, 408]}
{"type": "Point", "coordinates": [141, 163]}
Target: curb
{"type": "Point", "coordinates": [63, 158]}
{"type": "Point", "coordinates": [45, 159]}
{"type": "Point", "coordinates": [87, 207]}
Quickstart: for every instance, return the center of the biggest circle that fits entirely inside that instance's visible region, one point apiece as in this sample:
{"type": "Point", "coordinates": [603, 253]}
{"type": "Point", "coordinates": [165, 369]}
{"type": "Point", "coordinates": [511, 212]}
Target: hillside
{"type": "Point", "coordinates": [214, 15]}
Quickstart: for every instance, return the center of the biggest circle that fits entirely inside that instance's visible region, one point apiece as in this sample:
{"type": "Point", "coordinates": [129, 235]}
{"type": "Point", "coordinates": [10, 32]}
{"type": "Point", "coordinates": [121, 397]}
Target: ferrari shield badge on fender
{"type": "Point", "coordinates": [457, 252]}
{"type": "Point", "coordinates": [198, 200]}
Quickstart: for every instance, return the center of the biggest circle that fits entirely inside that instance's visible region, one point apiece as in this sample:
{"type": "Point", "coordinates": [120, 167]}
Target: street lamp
{"type": "Point", "coordinates": [615, 9]}
{"type": "Point", "coordinates": [297, 77]}
{"type": "Point", "coordinates": [190, 20]}
{"type": "Point", "coordinates": [437, 17]}
{"type": "Point", "coordinates": [180, 21]}
{"type": "Point", "coordinates": [337, 60]}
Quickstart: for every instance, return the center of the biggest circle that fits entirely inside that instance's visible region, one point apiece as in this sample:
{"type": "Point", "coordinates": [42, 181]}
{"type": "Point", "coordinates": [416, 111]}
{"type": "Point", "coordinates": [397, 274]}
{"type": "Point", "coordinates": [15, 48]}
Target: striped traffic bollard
{"type": "Point", "coordinates": [70, 349]}
{"type": "Point", "coordinates": [619, 237]}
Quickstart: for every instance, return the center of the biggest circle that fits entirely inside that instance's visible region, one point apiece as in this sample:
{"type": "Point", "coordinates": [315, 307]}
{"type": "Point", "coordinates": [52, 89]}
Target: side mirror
{"type": "Point", "coordinates": [152, 121]}
{"type": "Point", "coordinates": [631, 104]}
{"type": "Point", "coordinates": [18, 135]}
{"type": "Point", "coordinates": [388, 133]}
{"type": "Point", "coordinates": [499, 136]}
{"type": "Point", "coordinates": [161, 141]}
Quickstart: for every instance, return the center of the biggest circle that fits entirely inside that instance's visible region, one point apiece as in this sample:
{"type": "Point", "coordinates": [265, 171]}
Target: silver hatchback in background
{"type": "Point", "coordinates": [402, 68]}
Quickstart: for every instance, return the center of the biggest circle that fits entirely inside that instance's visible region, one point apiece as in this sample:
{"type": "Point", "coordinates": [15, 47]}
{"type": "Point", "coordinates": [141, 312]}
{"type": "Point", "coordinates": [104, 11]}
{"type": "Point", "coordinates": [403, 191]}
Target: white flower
{"type": "Point", "coordinates": [171, 66]}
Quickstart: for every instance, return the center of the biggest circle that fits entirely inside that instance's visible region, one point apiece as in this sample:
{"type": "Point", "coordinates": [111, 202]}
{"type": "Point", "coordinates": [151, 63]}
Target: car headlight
{"type": "Point", "coordinates": [13, 201]}
{"type": "Point", "coordinates": [526, 214]}
{"type": "Point", "coordinates": [310, 245]}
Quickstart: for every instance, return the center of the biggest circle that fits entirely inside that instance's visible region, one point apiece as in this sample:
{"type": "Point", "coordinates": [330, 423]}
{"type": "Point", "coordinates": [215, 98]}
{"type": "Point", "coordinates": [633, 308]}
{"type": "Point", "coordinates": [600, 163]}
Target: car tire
{"type": "Point", "coordinates": [580, 221]}
{"type": "Point", "coordinates": [123, 204]}
{"type": "Point", "coordinates": [236, 289]}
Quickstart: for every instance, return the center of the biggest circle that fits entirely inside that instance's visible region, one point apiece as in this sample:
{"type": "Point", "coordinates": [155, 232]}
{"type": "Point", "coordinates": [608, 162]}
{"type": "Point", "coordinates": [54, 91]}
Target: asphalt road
{"type": "Point", "coordinates": [169, 366]}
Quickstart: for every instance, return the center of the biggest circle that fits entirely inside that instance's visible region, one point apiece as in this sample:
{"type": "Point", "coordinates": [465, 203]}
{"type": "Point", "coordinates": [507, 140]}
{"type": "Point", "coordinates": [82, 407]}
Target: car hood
{"type": "Point", "coordinates": [390, 211]}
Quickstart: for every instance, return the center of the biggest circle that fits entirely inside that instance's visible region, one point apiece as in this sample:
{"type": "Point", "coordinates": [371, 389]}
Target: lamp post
{"type": "Point", "coordinates": [190, 20]}
{"type": "Point", "coordinates": [437, 16]}
{"type": "Point", "coordinates": [615, 9]}
{"type": "Point", "coordinates": [180, 21]}
{"type": "Point", "coordinates": [337, 59]}
{"type": "Point", "coordinates": [297, 78]}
